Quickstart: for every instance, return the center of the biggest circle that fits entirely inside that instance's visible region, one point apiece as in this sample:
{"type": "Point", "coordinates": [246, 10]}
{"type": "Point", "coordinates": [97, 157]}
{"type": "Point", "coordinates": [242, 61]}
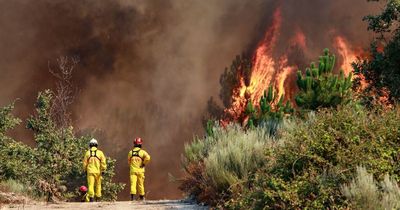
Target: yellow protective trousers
{"type": "Point", "coordinates": [85, 198]}
{"type": "Point", "coordinates": [137, 182]}
{"type": "Point", "coordinates": [94, 181]}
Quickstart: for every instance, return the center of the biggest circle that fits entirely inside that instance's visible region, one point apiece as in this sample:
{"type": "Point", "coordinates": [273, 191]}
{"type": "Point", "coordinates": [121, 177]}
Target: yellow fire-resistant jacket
{"type": "Point", "coordinates": [94, 161]}
{"type": "Point", "coordinates": [137, 159]}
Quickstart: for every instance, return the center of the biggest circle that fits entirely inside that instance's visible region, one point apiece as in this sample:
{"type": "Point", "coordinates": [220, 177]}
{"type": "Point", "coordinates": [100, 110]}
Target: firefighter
{"type": "Point", "coordinates": [94, 163]}
{"type": "Point", "coordinates": [137, 159]}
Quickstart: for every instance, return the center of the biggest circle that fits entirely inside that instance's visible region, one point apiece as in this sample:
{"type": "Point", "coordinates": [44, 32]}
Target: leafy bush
{"type": "Point", "coordinates": [15, 157]}
{"type": "Point", "coordinates": [320, 154]}
{"type": "Point", "coordinates": [381, 69]}
{"type": "Point", "coordinates": [365, 193]}
{"type": "Point", "coordinates": [7, 120]}
{"type": "Point", "coordinates": [54, 167]}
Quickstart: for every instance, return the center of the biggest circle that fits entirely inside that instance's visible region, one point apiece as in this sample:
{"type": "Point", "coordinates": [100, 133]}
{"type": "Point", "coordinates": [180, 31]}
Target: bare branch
{"type": "Point", "coordinates": [65, 92]}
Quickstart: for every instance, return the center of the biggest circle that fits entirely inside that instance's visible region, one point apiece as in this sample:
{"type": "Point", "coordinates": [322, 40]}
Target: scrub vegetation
{"type": "Point", "coordinates": [305, 165]}
{"type": "Point", "coordinates": [53, 168]}
{"type": "Point", "coordinates": [338, 150]}
{"type": "Point", "coordinates": [223, 160]}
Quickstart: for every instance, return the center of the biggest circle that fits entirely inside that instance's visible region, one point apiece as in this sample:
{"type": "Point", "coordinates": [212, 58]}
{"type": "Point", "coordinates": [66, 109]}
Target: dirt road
{"type": "Point", "coordinates": [121, 205]}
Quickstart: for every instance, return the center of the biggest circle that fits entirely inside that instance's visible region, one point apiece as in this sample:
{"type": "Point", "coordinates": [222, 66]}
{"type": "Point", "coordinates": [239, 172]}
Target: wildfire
{"type": "Point", "coordinates": [267, 70]}
{"type": "Point", "coordinates": [349, 56]}
{"type": "Point", "coordinates": [346, 53]}
{"type": "Point", "coordinates": [263, 63]}
{"type": "Point", "coordinates": [263, 71]}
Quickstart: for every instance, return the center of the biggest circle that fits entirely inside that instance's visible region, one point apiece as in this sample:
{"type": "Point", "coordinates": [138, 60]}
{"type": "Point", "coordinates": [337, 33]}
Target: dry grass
{"type": "Point", "coordinates": [366, 193]}
{"type": "Point", "coordinates": [218, 163]}
{"type": "Point", "coordinates": [12, 192]}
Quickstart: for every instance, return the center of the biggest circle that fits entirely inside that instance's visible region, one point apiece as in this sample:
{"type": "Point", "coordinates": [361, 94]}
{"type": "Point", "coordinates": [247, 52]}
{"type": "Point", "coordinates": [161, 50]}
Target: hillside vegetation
{"type": "Point", "coordinates": [338, 150]}
{"type": "Point", "coordinates": [53, 168]}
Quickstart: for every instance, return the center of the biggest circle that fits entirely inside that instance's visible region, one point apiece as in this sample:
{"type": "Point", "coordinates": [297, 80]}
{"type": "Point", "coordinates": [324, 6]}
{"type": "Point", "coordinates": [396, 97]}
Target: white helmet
{"type": "Point", "coordinates": [93, 143]}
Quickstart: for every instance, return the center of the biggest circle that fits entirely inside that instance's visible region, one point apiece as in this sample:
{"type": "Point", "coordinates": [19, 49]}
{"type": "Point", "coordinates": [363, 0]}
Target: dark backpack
{"type": "Point", "coordinates": [95, 156]}
{"type": "Point", "coordinates": [136, 154]}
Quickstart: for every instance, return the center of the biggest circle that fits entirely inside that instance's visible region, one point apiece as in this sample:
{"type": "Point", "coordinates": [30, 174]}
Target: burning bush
{"type": "Point", "coordinates": [381, 69]}
{"type": "Point", "coordinates": [319, 87]}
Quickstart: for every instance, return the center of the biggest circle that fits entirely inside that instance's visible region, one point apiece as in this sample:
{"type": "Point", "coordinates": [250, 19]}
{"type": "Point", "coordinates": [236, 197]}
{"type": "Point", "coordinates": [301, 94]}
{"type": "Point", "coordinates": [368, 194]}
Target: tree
{"type": "Point", "coordinates": [54, 167]}
{"type": "Point", "coordinates": [382, 69]}
{"type": "Point", "coordinates": [59, 155]}
{"type": "Point", "coordinates": [319, 87]}
{"type": "Point", "coordinates": [7, 121]}
{"type": "Point", "coordinates": [240, 68]}
{"type": "Point", "coordinates": [65, 93]}
{"type": "Point", "coordinates": [15, 157]}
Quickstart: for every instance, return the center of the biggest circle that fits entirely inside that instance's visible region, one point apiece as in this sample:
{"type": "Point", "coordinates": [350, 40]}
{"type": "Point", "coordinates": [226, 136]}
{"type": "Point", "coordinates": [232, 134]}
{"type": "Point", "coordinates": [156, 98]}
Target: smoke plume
{"type": "Point", "coordinates": [147, 68]}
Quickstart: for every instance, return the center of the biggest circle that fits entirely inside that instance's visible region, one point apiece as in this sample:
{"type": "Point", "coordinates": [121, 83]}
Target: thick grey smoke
{"type": "Point", "coordinates": [147, 67]}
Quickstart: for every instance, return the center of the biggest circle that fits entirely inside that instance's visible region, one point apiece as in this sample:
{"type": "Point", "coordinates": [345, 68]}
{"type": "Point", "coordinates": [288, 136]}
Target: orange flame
{"type": "Point", "coordinates": [263, 64]}
{"type": "Point", "coordinates": [263, 71]}
{"type": "Point", "coordinates": [282, 75]}
{"type": "Point", "coordinates": [349, 56]}
{"type": "Point", "coordinates": [267, 70]}
{"type": "Point", "coordinates": [346, 53]}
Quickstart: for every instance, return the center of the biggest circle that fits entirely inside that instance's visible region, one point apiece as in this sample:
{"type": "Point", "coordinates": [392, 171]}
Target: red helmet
{"type": "Point", "coordinates": [138, 141]}
{"type": "Point", "coordinates": [83, 188]}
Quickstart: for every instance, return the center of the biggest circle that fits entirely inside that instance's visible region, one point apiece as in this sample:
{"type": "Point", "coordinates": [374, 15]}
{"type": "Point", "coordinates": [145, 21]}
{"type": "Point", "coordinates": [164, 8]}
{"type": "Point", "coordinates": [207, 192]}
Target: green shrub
{"type": "Point", "coordinates": [381, 68]}
{"type": "Point", "coordinates": [320, 154]}
{"type": "Point", "coordinates": [15, 157]}
{"type": "Point", "coordinates": [53, 168]}
{"type": "Point", "coordinates": [60, 154]}
{"type": "Point", "coordinates": [7, 120]}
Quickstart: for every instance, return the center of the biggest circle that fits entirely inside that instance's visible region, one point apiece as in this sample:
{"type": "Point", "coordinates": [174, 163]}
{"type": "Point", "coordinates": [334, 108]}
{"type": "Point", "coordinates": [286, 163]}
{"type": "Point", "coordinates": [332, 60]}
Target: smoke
{"type": "Point", "coordinates": [148, 67]}
{"type": "Point", "coordinates": [320, 21]}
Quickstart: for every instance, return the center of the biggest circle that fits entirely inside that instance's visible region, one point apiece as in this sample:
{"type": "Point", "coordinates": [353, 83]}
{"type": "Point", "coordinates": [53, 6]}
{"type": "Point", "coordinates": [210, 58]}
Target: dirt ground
{"type": "Point", "coordinates": [121, 205]}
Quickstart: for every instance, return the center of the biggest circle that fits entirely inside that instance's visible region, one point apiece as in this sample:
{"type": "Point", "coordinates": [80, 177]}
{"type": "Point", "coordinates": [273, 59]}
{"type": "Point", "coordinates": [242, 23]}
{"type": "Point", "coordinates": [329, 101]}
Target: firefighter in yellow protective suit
{"type": "Point", "coordinates": [94, 164]}
{"type": "Point", "coordinates": [137, 159]}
